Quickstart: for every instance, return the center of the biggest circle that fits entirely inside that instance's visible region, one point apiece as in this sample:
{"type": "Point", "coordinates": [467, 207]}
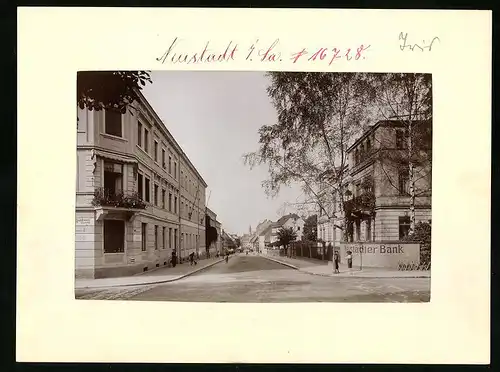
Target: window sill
{"type": "Point", "coordinates": [111, 136]}
{"type": "Point", "coordinates": [113, 253]}
{"type": "Point", "coordinates": [144, 151]}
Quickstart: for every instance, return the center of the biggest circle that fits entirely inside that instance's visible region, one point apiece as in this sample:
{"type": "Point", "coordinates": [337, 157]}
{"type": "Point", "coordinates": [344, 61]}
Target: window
{"type": "Point", "coordinates": [298, 228]}
{"type": "Point", "coordinates": [175, 238]}
{"type": "Point", "coordinates": [113, 178]}
{"type": "Point", "coordinates": [170, 202]}
{"type": "Point", "coordinates": [163, 158]}
{"type": "Point", "coordinates": [146, 140]}
{"type": "Point", "coordinates": [368, 145]}
{"type": "Point", "coordinates": [403, 182]}
{"type": "Point", "coordinates": [144, 229]}
{"type": "Point", "coordinates": [170, 237]}
{"type": "Point", "coordinates": [113, 123]}
{"type": "Point", "coordinates": [182, 178]}
{"type": "Point", "coordinates": [114, 236]}
{"type": "Point", "coordinates": [139, 134]}
{"type": "Point", "coordinates": [147, 190]}
{"type": "Point", "coordinates": [400, 139]}
{"type": "Point", "coordinates": [175, 170]}
{"type": "Point", "coordinates": [164, 235]}
{"type": "Point", "coordinates": [155, 195]}
{"type": "Point", "coordinates": [140, 188]}
{"type": "Point", "coordinates": [404, 227]}
{"type": "Point", "coordinates": [156, 151]}
{"type": "Point", "coordinates": [156, 237]}
{"type": "Point", "coordinates": [368, 237]}
{"type": "Point", "coordinates": [182, 208]}
{"type": "Point", "coordinates": [170, 165]}
{"type": "Point", "coordinates": [163, 193]}
{"type": "Point", "coordinates": [175, 205]}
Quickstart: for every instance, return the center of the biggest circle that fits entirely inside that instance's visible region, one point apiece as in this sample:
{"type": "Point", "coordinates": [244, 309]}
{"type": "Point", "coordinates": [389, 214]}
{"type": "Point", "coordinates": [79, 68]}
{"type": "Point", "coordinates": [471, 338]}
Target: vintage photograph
{"type": "Point", "coordinates": [236, 186]}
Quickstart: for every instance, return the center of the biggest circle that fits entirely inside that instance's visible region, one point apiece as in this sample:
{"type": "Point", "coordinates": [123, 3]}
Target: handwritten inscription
{"type": "Point", "coordinates": [204, 55]}
{"type": "Point", "coordinates": [258, 51]}
{"type": "Point", "coordinates": [406, 44]}
{"type": "Point", "coordinates": [332, 54]}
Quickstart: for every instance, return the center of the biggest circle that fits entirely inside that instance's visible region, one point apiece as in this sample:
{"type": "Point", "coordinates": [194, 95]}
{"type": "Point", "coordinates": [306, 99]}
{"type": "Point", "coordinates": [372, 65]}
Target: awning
{"type": "Point", "coordinates": [115, 157]}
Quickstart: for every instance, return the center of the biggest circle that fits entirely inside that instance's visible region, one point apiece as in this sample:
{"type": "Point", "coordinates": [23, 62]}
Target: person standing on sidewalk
{"type": "Point", "coordinates": [336, 259]}
{"type": "Point", "coordinates": [349, 259]}
{"type": "Point", "coordinates": [192, 260]}
{"type": "Point", "coordinates": [174, 258]}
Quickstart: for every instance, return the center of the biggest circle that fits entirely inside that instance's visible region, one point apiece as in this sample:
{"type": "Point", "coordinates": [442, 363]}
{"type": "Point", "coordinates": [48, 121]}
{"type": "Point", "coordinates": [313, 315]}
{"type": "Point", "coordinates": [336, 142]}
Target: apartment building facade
{"type": "Point", "coordinates": [138, 196]}
{"type": "Point", "coordinates": [377, 201]}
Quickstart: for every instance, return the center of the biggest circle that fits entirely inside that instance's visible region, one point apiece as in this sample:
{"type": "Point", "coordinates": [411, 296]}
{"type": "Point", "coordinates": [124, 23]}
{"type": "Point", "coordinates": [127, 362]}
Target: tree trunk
{"type": "Point", "coordinates": [411, 177]}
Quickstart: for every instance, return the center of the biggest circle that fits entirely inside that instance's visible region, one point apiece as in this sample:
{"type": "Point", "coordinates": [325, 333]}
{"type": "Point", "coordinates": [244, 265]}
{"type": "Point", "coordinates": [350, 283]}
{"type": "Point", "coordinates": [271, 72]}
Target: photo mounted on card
{"type": "Point", "coordinates": [284, 183]}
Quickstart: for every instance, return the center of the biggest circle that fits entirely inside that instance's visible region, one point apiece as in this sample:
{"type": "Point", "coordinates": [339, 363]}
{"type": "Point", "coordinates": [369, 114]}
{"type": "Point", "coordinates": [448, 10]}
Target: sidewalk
{"type": "Point", "coordinates": [160, 275]}
{"type": "Point", "coordinates": [323, 268]}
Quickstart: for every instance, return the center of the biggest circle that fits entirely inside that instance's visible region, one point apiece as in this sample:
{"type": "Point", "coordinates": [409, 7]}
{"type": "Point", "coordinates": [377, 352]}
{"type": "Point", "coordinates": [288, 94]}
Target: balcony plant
{"type": "Point", "coordinates": [104, 198]}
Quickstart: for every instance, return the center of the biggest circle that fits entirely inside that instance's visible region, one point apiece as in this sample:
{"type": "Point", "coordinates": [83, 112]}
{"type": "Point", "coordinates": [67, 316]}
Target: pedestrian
{"type": "Point", "coordinates": [349, 259]}
{"type": "Point", "coordinates": [191, 259]}
{"type": "Point", "coordinates": [174, 258]}
{"type": "Point", "coordinates": [336, 259]}
{"type": "Point", "coordinates": [227, 257]}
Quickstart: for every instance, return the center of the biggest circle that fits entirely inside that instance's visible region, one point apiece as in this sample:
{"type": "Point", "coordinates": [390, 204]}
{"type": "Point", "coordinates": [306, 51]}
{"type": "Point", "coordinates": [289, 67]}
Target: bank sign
{"type": "Point", "coordinates": [383, 254]}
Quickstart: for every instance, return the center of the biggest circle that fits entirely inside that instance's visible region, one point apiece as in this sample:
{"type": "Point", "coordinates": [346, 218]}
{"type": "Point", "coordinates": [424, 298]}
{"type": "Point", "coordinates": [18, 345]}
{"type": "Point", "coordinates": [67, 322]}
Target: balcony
{"type": "Point", "coordinates": [360, 206]}
{"type": "Point", "coordinates": [117, 204]}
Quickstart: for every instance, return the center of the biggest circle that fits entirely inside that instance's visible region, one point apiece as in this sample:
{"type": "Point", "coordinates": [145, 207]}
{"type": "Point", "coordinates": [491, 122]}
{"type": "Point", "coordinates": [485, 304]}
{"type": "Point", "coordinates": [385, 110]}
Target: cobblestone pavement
{"type": "Point", "coordinates": [255, 279]}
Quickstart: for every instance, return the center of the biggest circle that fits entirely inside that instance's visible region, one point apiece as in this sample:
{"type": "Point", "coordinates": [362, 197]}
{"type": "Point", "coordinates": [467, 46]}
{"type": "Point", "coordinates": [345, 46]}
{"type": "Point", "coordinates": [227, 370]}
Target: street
{"type": "Point", "coordinates": [256, 279]}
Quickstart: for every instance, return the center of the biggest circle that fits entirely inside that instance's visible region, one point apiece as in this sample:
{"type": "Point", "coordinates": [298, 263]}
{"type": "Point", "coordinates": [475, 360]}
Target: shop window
{"type": "Point", "coordinates": [114, 236]}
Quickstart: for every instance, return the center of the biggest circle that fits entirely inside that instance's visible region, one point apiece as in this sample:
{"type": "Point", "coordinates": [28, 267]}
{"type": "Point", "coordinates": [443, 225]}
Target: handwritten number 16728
{"type": "Point", "coordinates": [332, 54]}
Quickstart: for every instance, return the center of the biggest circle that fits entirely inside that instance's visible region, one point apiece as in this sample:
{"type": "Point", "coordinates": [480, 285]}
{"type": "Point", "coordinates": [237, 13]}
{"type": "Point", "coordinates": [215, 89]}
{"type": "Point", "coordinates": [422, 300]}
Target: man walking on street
{"type": "Point", "coordinates": [191, 259]}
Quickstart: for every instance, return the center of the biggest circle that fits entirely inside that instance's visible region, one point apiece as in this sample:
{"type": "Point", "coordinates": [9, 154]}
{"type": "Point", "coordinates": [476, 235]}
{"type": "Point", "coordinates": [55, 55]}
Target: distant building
{"type": "Point", "coordinates": [290, 220]}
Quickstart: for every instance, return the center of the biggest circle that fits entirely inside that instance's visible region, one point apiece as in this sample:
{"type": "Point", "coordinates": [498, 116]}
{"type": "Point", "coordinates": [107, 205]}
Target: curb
{"type": "Point", "coordinates": [154, 282]}
{"type": "Point", "coordinates": [282, 263]}
{"type": "Point", "coordinates": [345, 276]}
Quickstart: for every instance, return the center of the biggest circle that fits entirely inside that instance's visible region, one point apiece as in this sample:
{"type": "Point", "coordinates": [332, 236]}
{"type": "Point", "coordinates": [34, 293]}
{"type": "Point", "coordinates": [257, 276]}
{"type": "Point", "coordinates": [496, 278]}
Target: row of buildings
{"type": "Point", "coordinates": [138, 196]}
{"type": "Point", "coordinates": [376, 195]}
{"type": "Point", "coordinates": [266, 232]}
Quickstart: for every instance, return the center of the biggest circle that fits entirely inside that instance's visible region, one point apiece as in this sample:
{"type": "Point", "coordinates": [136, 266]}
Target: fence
{"type": "Point", "coordinates": [304, 249]}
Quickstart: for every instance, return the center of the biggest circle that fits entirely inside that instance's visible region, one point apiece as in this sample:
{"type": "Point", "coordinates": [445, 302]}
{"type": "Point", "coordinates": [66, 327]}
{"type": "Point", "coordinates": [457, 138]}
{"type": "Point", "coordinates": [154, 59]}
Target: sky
{"type": "Point", "coordinates": [215, 117]}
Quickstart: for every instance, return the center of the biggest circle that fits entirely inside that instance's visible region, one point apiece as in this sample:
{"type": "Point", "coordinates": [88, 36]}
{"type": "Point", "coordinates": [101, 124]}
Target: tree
{"type": "Point", "coordinates": [407, 99]}
{"type": "Point", "coordinates": [109, 90]}
{"type": "Point", "coordinates": [319, 114]}
{"type": "Point", "coordinates": [422, 234]}
{"type": "Point", "coordinates": [286, 235]}
{"type": "Point", "coordinates": [311, 228]}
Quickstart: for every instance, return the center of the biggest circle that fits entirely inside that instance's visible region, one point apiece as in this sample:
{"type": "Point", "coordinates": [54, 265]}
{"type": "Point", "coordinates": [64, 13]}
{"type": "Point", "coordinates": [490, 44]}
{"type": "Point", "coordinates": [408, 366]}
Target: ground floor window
{"type": "Point", "coordinates": [164, 235]}
{"type": "Point", "coordinates": [144, 230]}
{"type": "Point", "coordinates": [404, 227]}
{"type": "Point", "coordinates": [156, 237]}
{"type": "Point", "coordinates": [114, 236]}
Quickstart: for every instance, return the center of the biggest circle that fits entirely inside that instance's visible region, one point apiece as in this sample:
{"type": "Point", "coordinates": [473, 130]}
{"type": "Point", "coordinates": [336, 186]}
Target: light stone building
{"type": "Point", "coordinates": [378, 200]}
{"type": "Point", "coordinates": [138, 196]}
